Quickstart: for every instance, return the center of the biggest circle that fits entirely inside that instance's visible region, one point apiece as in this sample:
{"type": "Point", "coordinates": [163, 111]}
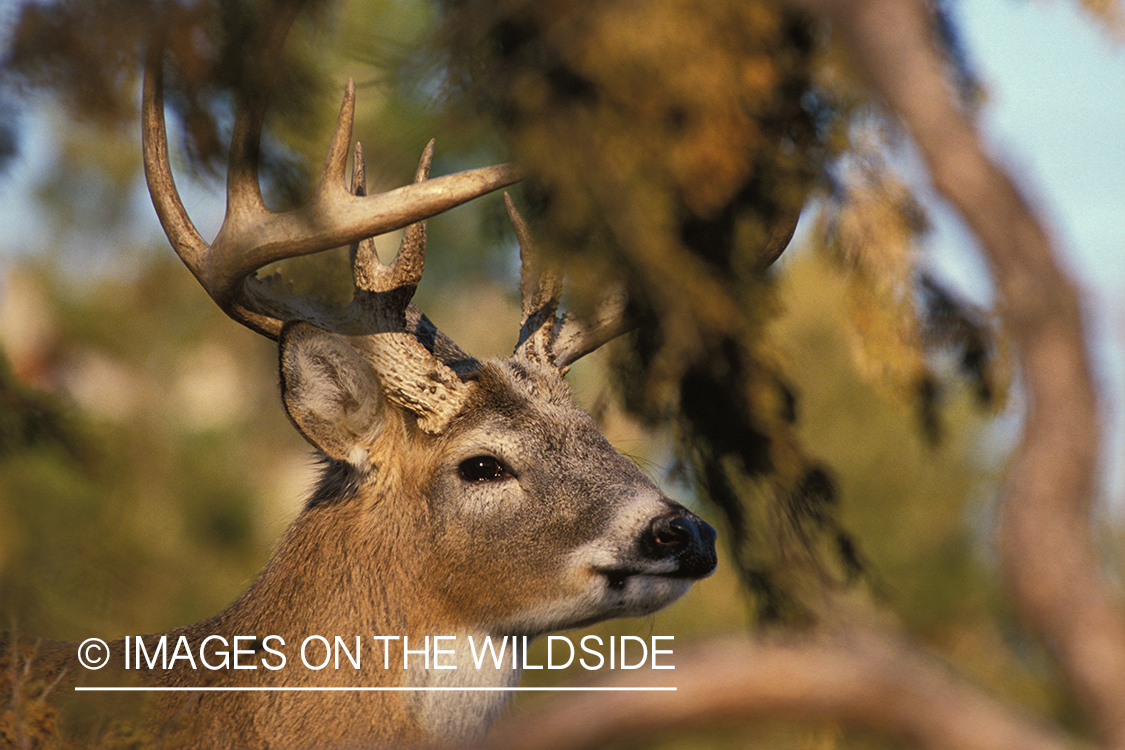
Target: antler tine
{"type": "Point", "coordinates": [540, 290]}
{"type": "Point", "coordinates": [364, 255]}
{"type": "Point", "coordinates": [577, 338]}
{"type": "Point", "coordinates": [244, 191]}
{"type": "Point", "coordinates": [394, 284]}
{"type": "Point", "coordinates": [411, 258]}
{"type": "Point", "coordinates": [412, 376]}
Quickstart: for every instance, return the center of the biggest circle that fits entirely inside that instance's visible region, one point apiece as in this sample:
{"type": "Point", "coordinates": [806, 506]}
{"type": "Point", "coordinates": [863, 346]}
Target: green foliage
{"type": "Point", "coordinates": [670, 148]}
{"type": "Point", "coordinates": [169, 463]}
{"type": "Point", "coordinates": [89, 54]}
{"type": "Point", "coordinates": [921, 510]}
{"type": "Point", "coordinates": [30, 419]}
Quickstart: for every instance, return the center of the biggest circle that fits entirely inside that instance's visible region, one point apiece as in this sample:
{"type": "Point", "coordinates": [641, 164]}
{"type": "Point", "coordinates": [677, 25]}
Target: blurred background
{"type": "Point", "coordinates": [147, 468]}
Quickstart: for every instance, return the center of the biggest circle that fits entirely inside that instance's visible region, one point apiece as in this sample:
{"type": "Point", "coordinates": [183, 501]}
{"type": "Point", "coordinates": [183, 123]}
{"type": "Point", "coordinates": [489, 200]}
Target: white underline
{"type": "Point", "coordinates": [119, 689]}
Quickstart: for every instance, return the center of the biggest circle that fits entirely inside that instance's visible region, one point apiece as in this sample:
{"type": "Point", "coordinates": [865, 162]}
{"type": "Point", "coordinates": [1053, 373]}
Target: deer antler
{"type": "Point", "coordinates": [252, 236]}
{"type": "Point", "coordinates": [380, 322]}
{"type": "Point", "coordinates": [544, 337]}
{"type": "Point", "coordinates": [412, 377]}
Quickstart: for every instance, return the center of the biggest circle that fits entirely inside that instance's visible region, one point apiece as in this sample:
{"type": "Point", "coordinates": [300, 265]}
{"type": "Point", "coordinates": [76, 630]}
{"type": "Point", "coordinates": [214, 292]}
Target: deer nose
{"type": "Point", "coordinates": [685, 538]}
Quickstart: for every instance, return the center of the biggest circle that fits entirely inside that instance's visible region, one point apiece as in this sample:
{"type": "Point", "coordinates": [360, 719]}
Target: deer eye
{"type": "Point", "coordinates": [483, 469]}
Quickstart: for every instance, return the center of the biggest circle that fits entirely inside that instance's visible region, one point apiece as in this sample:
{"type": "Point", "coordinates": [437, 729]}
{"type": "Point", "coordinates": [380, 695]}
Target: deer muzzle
{"type": "Point", "coordinates": [683, 538]}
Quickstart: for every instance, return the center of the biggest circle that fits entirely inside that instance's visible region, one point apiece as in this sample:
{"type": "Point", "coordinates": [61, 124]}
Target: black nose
{"type": "Point", "coordinates": [685, 538]}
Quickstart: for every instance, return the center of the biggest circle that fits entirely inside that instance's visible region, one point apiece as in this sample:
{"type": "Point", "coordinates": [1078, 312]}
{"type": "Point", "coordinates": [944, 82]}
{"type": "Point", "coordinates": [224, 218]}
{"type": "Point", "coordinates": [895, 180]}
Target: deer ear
{"type": "Point", "coordinates": [330, 392]}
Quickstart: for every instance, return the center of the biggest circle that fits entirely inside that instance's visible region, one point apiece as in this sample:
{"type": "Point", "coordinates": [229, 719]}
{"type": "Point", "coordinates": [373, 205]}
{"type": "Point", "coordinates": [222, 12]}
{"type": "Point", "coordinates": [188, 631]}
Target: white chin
{"type": "Point", "coordinates": [634, 596]}
{"type": "Point", "coordinates": [644, 594]}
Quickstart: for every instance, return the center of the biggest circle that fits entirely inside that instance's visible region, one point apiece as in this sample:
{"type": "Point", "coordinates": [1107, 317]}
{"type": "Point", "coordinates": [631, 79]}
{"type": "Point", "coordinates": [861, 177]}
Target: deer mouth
{"type": "Point", "coordinates": [617, 578]}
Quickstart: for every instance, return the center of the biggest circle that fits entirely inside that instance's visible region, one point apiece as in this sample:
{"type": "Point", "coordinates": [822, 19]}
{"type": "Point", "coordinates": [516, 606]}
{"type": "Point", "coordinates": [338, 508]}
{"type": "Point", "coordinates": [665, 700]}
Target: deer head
{"type": "Point", "coordinates": [459, 496]}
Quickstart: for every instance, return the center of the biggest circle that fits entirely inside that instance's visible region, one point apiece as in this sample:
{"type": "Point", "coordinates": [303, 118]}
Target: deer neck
{"type": "Point", "coordinates": [322, 581]}
{"type": "Point", "coordinates": [336, 575]}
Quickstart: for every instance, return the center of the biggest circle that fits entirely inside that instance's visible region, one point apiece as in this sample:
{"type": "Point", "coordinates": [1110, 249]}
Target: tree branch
{"type": "Point", "coordinates": [870, 679]}
{"type": "Point", "coordinates": [1050, 559]}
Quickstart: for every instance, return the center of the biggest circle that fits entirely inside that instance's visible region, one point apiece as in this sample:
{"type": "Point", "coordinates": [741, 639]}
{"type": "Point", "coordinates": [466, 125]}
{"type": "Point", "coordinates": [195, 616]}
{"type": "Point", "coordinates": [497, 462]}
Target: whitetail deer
{"type": "Point", "coordinates": [459, 497]}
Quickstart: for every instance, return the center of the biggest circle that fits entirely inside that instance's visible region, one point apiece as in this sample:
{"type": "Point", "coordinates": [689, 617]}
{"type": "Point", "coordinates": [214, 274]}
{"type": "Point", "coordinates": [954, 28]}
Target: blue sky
{"type": "Point", "coordinates": [1055, 117]}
